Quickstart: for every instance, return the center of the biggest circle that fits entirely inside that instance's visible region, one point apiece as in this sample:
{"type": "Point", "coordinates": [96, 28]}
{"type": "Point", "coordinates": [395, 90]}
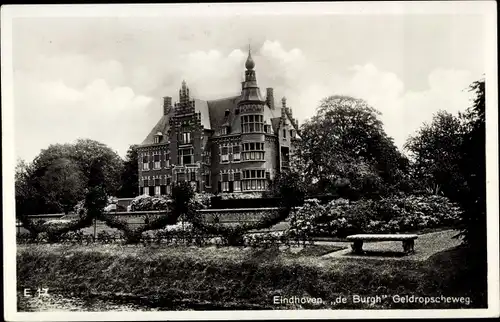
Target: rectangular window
{"type": "Point", "coordinates": [225, 154]}
{"type": "Point", "coordinates": [157, 182]}
{"type": "Point", "coordinates": [186, 156]}
{"type": "Point", "coordinates": [225, 177]}
{"type": "Point", "coordinates": [237, 186]}
{"type": "Point", "coordinates": [252, 123]}
{"type": "Point", "coordinates": [169, 190]}
{"type": "Point", "coordinates": [156, 159]}
{"type": "Point", "coordinates": [157, 191]}
{"type": "Point", "coordinates": [169, 181]}
{"type": "Point", "coordinates": [193, 176]}
{"type": "Point", "coordinates": [181, 176]}
{"type": "Point", "coordinates": [225, 186]}
{"type": "Point", "coordinates": [146, 190]}
{"type": "Point", "coordinates": [145, 163]}
{"type": "Point", "coordinates": [236, 153]}
{"type": "Point", "coordinates": [284, 133]}
{"type": "Point", "coordinates": [253, 151]}
{"type": "Point", "coordinates": [186, 138]}
{"type": "Point", "coordinates": [237, 176]}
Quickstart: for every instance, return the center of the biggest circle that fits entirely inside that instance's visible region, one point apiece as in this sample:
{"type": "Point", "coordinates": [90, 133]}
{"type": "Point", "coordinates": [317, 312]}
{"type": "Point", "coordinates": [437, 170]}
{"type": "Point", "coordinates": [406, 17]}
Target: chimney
{"type": "Point", "coordinates": [270, 98]}
{"type": "Point", "coordinates": [167, 104]}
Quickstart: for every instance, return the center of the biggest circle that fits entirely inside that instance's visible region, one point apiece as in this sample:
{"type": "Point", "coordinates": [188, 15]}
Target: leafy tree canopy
{"type": "Point", "coordinates": [345, 145]}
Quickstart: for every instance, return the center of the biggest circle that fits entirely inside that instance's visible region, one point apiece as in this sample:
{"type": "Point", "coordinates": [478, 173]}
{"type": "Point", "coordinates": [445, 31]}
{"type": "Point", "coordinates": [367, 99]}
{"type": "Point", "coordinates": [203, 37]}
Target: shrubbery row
{"type": "Point", "coordinates": [340, 218]}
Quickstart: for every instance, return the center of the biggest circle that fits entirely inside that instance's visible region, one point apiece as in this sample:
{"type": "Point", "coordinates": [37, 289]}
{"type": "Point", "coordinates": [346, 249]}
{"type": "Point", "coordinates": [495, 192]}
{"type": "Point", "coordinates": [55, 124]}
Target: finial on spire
{"type": "Point", "coordinates": [183, 84]}
{"type": "Point", "coordinates": [249, 64]}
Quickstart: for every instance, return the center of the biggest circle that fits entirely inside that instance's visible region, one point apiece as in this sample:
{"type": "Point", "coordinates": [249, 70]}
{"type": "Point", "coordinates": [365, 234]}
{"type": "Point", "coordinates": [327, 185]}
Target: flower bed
{"type": "Point", "coordinates": [340, 218]}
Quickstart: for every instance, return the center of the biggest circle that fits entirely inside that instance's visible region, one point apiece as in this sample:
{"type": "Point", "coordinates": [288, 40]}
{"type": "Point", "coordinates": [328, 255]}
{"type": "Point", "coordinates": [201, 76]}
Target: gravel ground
{"type": "Point", "coordinates": [426, 245]}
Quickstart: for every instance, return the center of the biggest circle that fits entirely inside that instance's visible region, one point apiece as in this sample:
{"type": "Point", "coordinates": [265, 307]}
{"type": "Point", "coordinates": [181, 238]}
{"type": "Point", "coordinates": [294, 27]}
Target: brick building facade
{"type": "Point", "coordinates": [234, 144]}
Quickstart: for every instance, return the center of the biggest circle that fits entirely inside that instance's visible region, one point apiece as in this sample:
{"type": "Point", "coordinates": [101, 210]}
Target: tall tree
{"type": "Point", "coordinates": [472, 166]}
{"type": "Point", "coordinates": [130, 174]}
{"type": "Point", "coordinates": [63, 185]}
{"type": "Point", "coordinates": [345, 145]}
{"type": "Point", "coordinates": [436, 151]}
{"type": "Point", "coordinates": [60, 173]}
{"type": "Point", "coordinates": [87, 151]}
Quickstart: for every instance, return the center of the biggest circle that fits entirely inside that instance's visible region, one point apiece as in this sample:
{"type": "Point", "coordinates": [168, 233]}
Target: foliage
{"type": "Point", "coordinates": [288, 186]}
{"type": "Point", "coordinates": [145, 203]}
{"type": "Point", "coordinates": [182, 194]}
{"type": "Point", "coordinates": [449, 157]}
{"type": "Point", "coordinates": [435, 151]}
{"type": "Point", "coordinates": [240, 195]}
{"type": "Point", "coordinates": [59, 176]}
{"type": "Point", "coordinates": [340, 217]}
{"type": "Point", "coordinates": [344, 149]}
{"type": "Point", "coordinates": [88, 210]}
{"type": "Point", "coordinates": [289, 191]}
{"type": "Point", "coordinates": [472, 165]}
{"type": "Point", "coordinates": [130, 174]}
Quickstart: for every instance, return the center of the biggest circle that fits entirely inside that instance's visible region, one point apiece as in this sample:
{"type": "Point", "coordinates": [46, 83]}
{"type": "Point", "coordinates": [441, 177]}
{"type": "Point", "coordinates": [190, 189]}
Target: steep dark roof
{"type": "Point", "coordinates": [162, 126]}
{"type": "Point", "coordinates": [275, 122]}
{"type": "Point", "coordinates": [217, 110]}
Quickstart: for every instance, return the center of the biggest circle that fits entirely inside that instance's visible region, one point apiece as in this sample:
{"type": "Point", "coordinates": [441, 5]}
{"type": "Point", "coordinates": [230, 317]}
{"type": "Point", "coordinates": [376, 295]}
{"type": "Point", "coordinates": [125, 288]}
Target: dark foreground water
{"type": "Point", "coordinates": [59, 303]}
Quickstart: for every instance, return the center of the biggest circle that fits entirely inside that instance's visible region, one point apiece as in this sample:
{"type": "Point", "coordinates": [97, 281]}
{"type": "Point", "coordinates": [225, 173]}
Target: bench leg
{"type": "Point", "coordinates": [408, 246]}
{"type": "Point", "coordinates": [357, 246]}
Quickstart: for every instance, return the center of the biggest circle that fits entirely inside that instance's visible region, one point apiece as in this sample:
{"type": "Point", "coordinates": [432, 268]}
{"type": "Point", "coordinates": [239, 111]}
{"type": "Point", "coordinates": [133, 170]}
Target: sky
{"type": "Point", "coordinates": [103, 78]}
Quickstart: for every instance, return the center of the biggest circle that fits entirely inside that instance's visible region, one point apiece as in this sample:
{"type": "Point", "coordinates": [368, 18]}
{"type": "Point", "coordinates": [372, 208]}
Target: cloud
{"type": "Point", "coordinates": [62, 96]}
{"type": "Point", "coordinates": [50, 112]}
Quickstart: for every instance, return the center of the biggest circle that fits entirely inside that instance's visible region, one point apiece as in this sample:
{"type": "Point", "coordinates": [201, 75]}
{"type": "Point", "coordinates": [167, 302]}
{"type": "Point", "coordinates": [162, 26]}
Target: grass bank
{"type": "Point", "coordinates": [177, 278]}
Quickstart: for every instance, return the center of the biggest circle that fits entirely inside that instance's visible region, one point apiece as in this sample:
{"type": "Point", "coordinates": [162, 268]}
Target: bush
{"type": "Point", "coordinates": [146, 203]}
{"type": "Point", "coordinates": [340, 218]}
{"type": "Point", "coordinates": [244, 195]}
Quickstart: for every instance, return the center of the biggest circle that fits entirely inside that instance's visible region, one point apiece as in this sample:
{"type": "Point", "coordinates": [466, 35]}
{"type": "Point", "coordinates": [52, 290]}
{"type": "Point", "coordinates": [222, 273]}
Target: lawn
{"type": "Point", "coordinates": [194, 278]}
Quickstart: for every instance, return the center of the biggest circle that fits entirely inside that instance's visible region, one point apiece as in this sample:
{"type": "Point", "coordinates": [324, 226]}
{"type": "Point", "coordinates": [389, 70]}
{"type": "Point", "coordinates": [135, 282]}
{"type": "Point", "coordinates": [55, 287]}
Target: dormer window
{"type": "Point", "coordinates": [224, 130]}
{"type": "Point", "coordinates": [157, 137]}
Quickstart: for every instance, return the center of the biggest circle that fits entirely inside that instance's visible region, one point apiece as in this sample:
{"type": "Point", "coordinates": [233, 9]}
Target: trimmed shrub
{"type": "Point", "coordinates": [146, 203]}
{"type": "Point", "coordinates": [340, 218]}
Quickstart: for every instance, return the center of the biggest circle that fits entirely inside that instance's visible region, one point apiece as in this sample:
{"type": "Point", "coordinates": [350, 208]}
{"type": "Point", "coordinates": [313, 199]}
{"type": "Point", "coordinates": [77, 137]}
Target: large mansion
{"type": "Point", "coordinates": [233, 144]}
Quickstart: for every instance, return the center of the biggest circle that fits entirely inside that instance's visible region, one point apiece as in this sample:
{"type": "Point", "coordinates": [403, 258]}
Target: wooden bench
{"type": "Point", "coordinates": [407, 239]}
